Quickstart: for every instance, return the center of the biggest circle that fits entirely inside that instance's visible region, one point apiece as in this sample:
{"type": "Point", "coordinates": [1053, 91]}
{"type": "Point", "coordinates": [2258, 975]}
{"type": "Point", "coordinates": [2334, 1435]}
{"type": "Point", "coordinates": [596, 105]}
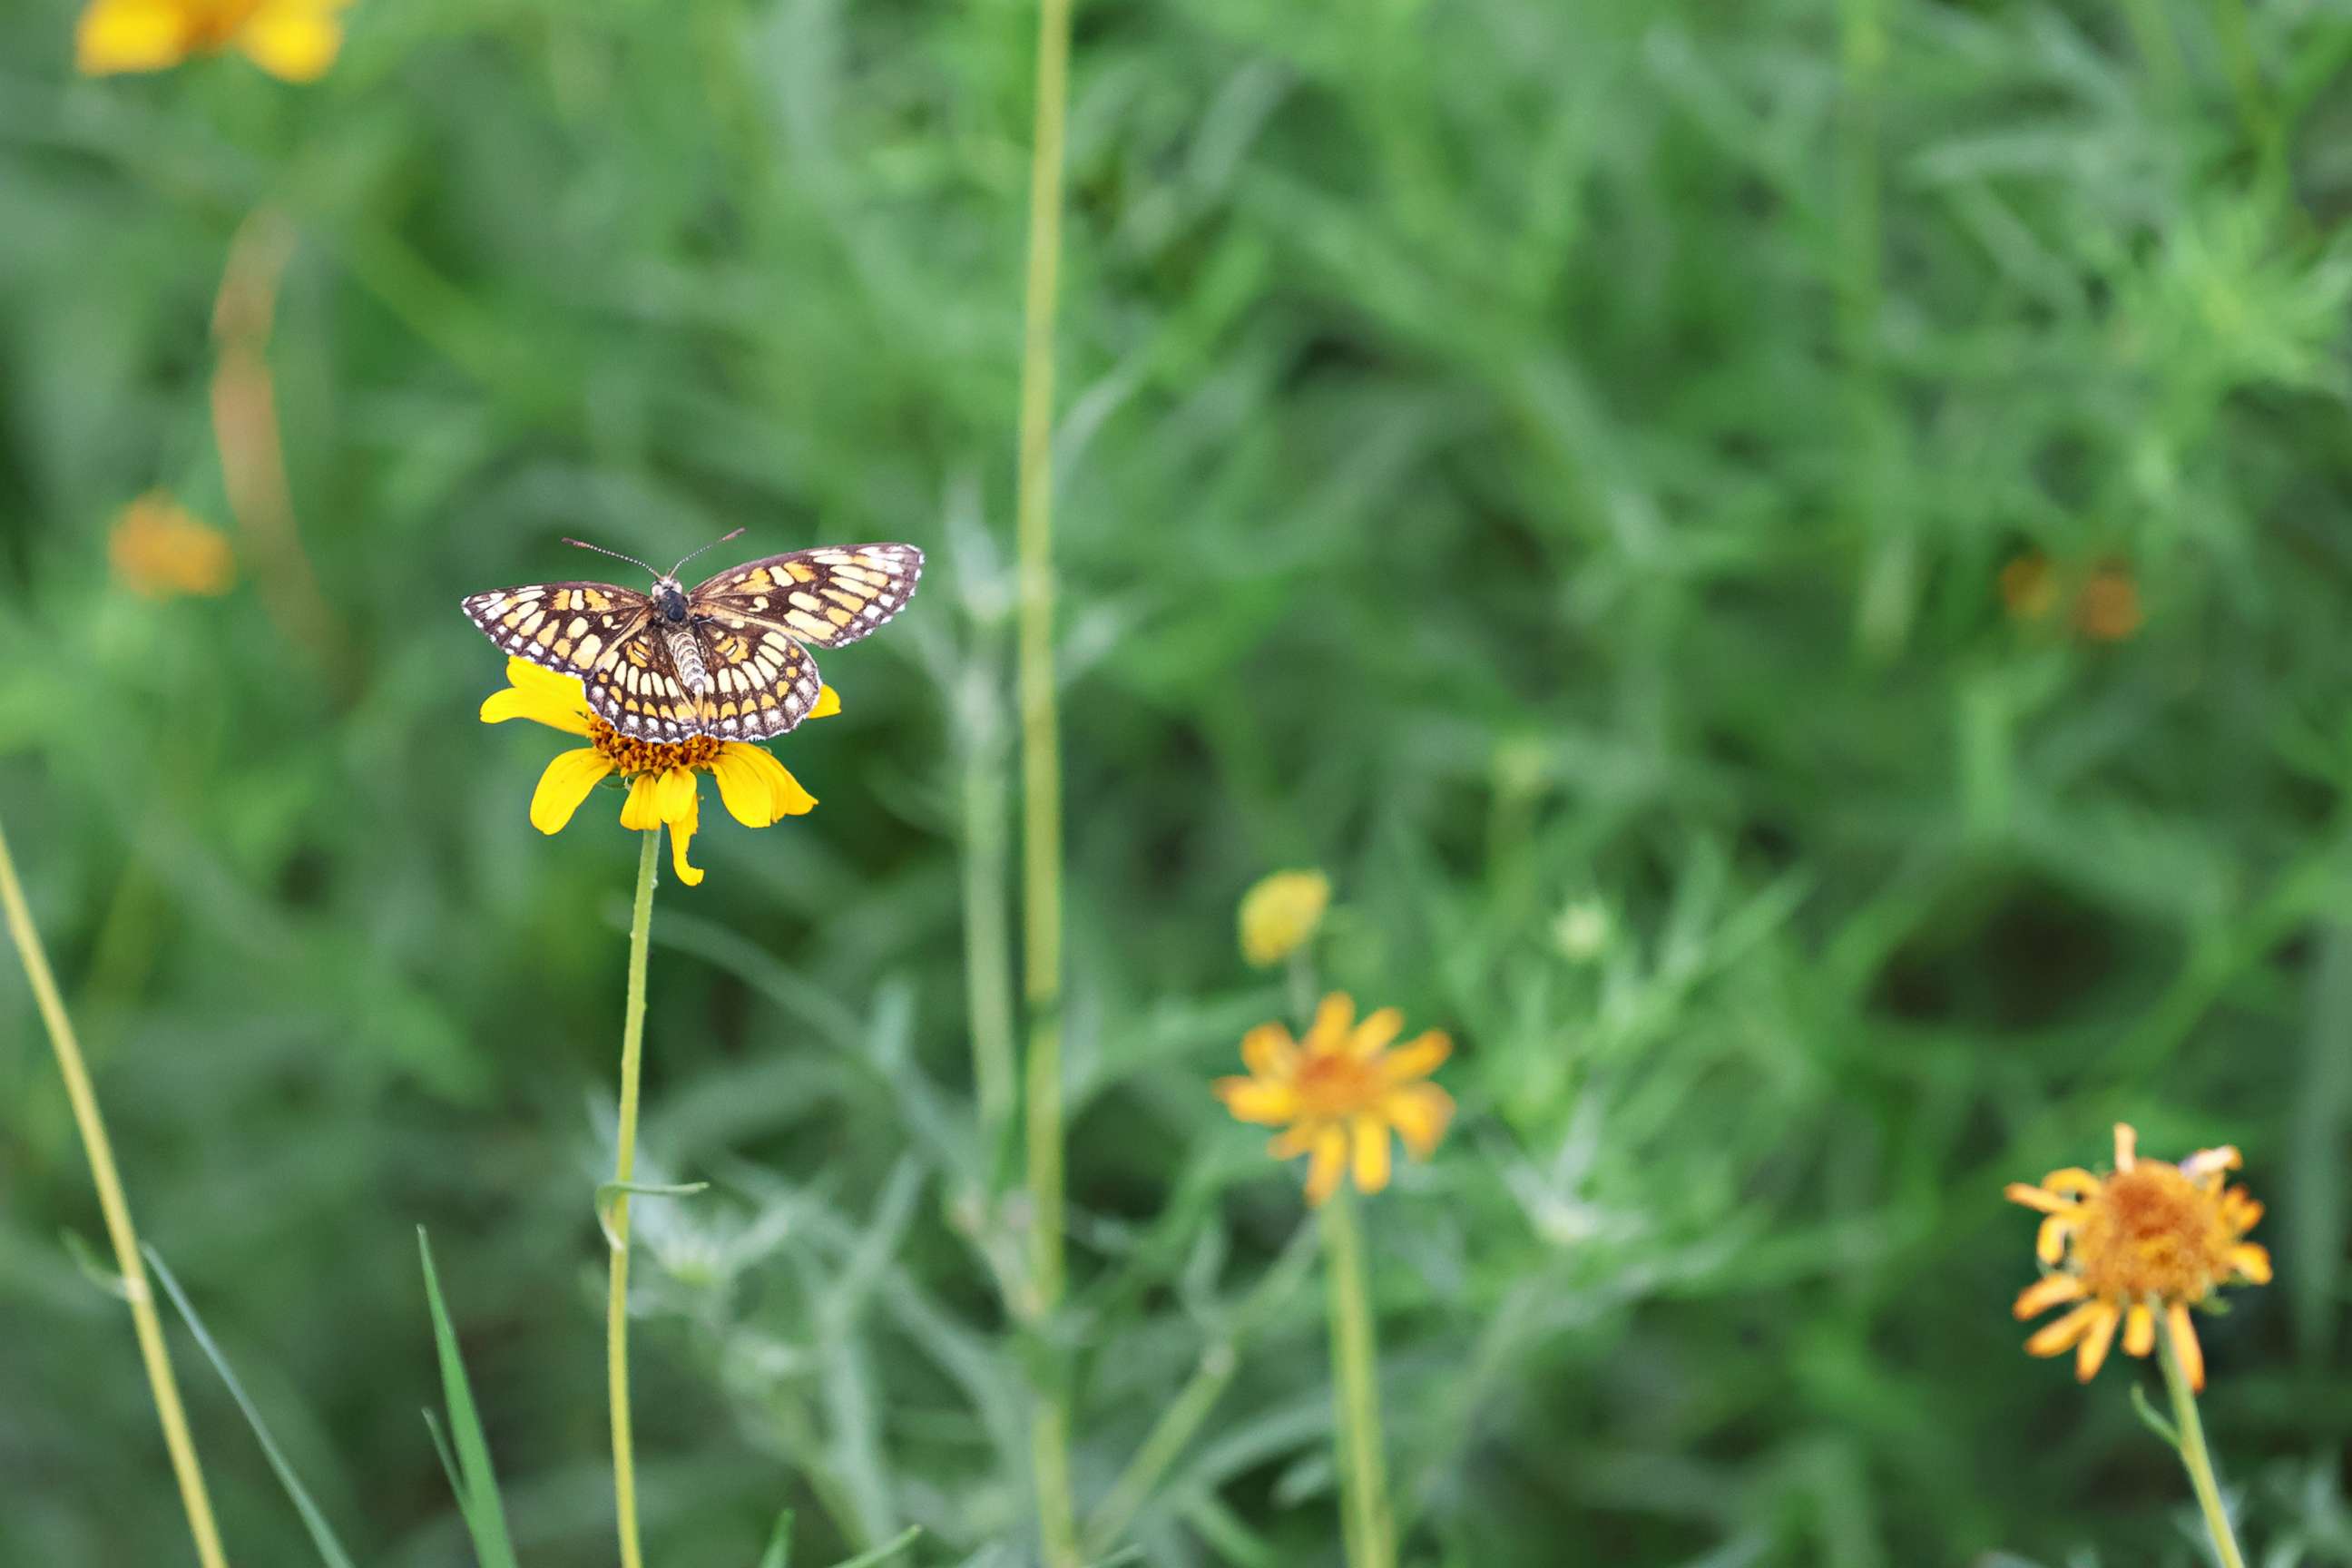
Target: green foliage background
{"type": "Point", "coordinates": [1547, 463]}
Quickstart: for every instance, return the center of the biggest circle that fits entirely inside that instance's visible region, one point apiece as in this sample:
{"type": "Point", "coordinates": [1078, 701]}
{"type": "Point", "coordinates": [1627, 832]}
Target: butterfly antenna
{"type": "Point", "coordinates": [712, 545]}
{"type": "Point", "coordinates": [615, 555]}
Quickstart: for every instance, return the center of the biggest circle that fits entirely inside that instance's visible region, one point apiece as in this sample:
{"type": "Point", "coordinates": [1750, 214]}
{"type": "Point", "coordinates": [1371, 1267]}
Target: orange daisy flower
{"type": "Point", "coordinates": [1341, 1092]}
{"type": "Point", "coordinates": [2147, 1239]}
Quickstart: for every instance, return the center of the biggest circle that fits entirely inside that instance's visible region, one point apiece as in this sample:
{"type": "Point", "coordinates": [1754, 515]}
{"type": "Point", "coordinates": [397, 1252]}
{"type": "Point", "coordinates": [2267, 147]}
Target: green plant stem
{"type": "Point", "coordinates": [625, 1165]}
{"type": "Point", "coordinates": [987, 942]}
{"type": "Point", "coordinates": [1363, 1477]}
{"type": "Point", "coordinates": [1041, 781]}
{"type": "Point", "coordinates": [117, 1210]}
{"type": "Point", "coordinates": [2197, 1458]}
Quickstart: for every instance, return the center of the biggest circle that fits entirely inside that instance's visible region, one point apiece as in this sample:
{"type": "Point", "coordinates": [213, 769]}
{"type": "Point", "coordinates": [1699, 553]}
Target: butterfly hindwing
{"type": "Point", "coordinates": [762, 682]}
{"type": "Point", "coordinates": [826, 597]}
{"type": "Point", "coordinates": [640, 694]}
{"type": "Point", "coordinates": [572, 629]}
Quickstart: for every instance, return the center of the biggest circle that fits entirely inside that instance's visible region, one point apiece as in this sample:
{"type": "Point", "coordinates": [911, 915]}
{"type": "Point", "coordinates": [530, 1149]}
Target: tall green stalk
{"type": "Point", "coordinates": [117, 1210]}
{"type": "Point", "coordinates": [625, 1165]}
{"type": "Point", "coordinates": [2197, 1458]}
{"type": "Point", "coordinates": [1368, 1524]}
{"type": "Point", "coordinates": [1042, 779]}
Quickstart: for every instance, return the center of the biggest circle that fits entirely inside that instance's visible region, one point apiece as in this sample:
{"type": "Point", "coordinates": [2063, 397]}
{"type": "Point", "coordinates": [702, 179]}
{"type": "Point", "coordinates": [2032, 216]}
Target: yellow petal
{"type": "Point", "coordinates": [130, 35]}
{"type": "Point", "coordinates": [1253, 1100]}
{"type": "Point", "coordinates": [2036, 1198]}
{"type": "Point", "coordinates": [2127, 1146]}
{"type": "Point", "coordinates": [532, 676]}
{"type": "Point", "coordinates": [2049, 1239]}
{"type": "Point", "coordinates": [526, 702]}
{"type": "Point", "coordinates": [2185, 1347]}
{"type": "Point", "coordinates": [2211, 1161]}
{"type": "Point", "coordinates": [2092, 1352]}
{"type": "Point", "coordinates": [640, 811]}
{"type": "Point", "coordinates": [675, 796]}
{"type": "Point", "coordinates": [1295, 1143]}
{"type": "Point", "coordinates": [681, 834]}
{"type": "Point", "coordinates": [1371, 1136]}
{"type": "Point", "coordinates": [1329, 1163]}
{"type": "Point", "coordinates": [2252, 1261]}
{"type": "Point", "coordinates": [1418, 1058]}
{"type": "Point", "coordinates": [757, 790]}
{"type": "Point", "coordinates": [1269, 1051]}
{"type": "Point", "coordinates": [1328, 1033]}
{"type": "Point", "coordinates": [564, 784]}
{"type": "Point", "coordinates": [1419, 1112]}
{"type": "Point", "coordinates": [294, 40]}
{"type": "Point", "coordinates": [2073, 1179]}
{"type": "Point", "coordinates": [2046, 1293]}
{"type": "Point", "coordinates": [2057, 1337]}
{"type": "Point", "coordinates": [2139, 1329]}
{"type": "Point", "coordinates": [1373, 1034]}
{"type": "Point", "coordinates": [828, 703]}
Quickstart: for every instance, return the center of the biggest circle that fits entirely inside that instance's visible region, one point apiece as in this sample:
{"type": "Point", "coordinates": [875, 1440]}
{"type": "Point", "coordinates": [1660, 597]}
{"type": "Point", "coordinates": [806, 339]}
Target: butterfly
{"type": "Point", "coordinates": [729, 657]}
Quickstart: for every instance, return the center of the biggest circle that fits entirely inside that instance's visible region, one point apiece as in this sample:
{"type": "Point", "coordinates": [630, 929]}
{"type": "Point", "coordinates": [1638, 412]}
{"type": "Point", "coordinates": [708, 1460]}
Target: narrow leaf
{"type": "Point", "coordinates": [887, 1550]}
{"type": "Point", "coordinates": [607, 1191]}
{"type": "Point", "coordinates": [779, 1554]}
{"type": "Point", "coordinates": [478, 1496]}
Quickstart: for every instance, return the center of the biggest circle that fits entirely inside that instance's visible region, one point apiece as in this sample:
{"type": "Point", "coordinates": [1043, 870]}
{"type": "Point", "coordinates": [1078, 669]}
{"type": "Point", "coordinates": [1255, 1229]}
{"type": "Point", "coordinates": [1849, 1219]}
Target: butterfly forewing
{"type": "Point", "coordinates": [826, 597]}
{"type": "Point", "coordinates": [572, 629]}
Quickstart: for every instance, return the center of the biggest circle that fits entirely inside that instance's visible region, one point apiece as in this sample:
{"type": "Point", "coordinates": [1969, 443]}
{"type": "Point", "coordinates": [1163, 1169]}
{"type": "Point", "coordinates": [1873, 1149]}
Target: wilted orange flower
{"type": "Point", "coordinates": [2105, 601]}
{"type": "Point", "coordinates": [293, 39]}
{"type": "Point", "coordinates": [2147, 1237]}
{"type": "Point", "coordinates": [758, 790]}
{"type": "Point", "coordinates": [159, 549]}
{"type": "Point", "coordinates": [1340, 1091]}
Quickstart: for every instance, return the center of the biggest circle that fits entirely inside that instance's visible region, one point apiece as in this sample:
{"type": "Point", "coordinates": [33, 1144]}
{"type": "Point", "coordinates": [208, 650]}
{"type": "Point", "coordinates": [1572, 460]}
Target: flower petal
{"type": "Point", "coordinates": [130, 35]}
{"type": "Point", "coordinates": [2047, 1292]}
{"type": "Point", "coordinates": [564, 784]}
{"type": "Point", "coordinates": [2050, 1236]}
{"type": "Point", "coordinates": [1417, 1058]}
{"type": "Point", "coordinates": [1270, 1051]}
{"type": "Point", "coordinates": [1329, 1163]}
{"type": "Point", "coordinates": [1328, 1033]}
{"type": "Point", "coordinates": [1373, 1034]}
{"type": "Point", "coordinates": [2139, 1330]}
{"type": "Point", "coordinates": [641, 810]}
{"type": "Point", "coordinates": [2073, 1179]}
{"type": "Point", "coordinates": [2036, 1198]}
{"type": "Point", "coordinates": [2058, 1337]}
{"type": "Point", "coordinates": [758, 790]}
{"type": "Point", "coordinates": [2127, 1146]}
{"type": "Point", "coordinates": [527, 702]}
{"type": "Point", "coordinates": [294, 40]}
{"type": "Point", "coordinates": [2185, 1347]}
{"type": "Point", "coordinates": [674, 797]}
{"type": "Point", "coordinates": [2253, 1261]}
{"type": "Point", "coordinates": [1295, 1143]}
{"type": "Point", "coordinates": [1254, 1099]}
{"type": "Point", "coordinates": [1419, 1112]}
{"type": "Point", "coordinates": [1371, 1136]}
{"type": "Point", "coordinates": [828, 703]}
{"type": "Point", "coordinates": [2092, 1352]}
{"type": "Point", "coordinates": [2211, 1161]}
{"type": "Point", "coordinates": [681, 834]}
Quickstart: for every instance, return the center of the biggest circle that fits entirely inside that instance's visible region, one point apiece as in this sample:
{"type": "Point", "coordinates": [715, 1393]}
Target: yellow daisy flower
{"type": "Point", "coordinates": [1280, 913]}
{"type": "Point", "coordinates": [2147, 1237]}
{"type": "Point", "coordinates": [295, 40]}
{"type": "Point", "coordinates": [159, 550]}
{"type": "Point", "coordinates": [758, 790]}
{"type": "Point", "coordinates": [1340, 1091]}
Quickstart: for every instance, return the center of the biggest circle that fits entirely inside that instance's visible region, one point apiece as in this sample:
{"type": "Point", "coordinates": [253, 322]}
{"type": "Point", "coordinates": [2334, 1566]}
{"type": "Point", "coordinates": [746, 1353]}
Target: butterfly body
{"type": "Point", "coordinates": [729, 657]}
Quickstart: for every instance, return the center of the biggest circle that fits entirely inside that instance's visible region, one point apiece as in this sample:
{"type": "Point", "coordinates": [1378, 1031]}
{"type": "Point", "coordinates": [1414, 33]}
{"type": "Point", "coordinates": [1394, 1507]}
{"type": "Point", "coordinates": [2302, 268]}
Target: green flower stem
{"type": "Point", "coordinates": [117, 1210]}
{"type": "Point", "coordinates": [2197, 1458]}
{"type": "Point", "coordinates": [1363, 1477]}
{"type": "Point", "coordinates": [1041, 780]}
{"type": "Point", "coordinates": [625, 1165]}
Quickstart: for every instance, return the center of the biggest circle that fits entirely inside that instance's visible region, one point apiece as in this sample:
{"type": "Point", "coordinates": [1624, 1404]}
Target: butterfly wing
{"type": "Point", "coordinates": [826, 598]}
{"type": "Point", "coordinates": [572, 629]}
{"type": "Point", "coordinates": [640, 692]}
{"type": "Point", "coordinates": [762, 682]}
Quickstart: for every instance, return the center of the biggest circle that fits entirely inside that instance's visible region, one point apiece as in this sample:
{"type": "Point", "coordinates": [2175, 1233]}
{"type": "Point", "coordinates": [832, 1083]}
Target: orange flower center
{"type": "Point", "coordinates": [212, 25]}
{"type": "Point", "coordinates": [634, 756]}
{"type": "Point", "coordinates": [1335, 1084]}
{"type": "Point", "coordinates": [2151, 1231]}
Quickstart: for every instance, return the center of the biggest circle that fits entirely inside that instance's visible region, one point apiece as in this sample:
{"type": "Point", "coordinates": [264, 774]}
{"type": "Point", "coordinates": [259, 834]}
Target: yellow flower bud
{"type": "Point", "coordinates": [1280, 915]}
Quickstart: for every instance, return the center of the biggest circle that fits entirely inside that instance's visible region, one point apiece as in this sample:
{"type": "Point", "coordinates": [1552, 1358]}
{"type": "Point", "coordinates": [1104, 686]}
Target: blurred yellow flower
{"type": "Point", "coordinates": [159, 549]}
{"type": "Point", "coordinates": [296, 40]}
{"type": "Point", "coordinates": [757, 789]}
{"type": "Point", "coordinates": [1340, 1091]}
{"type": "Point", "coordinates": [1281, 913]}
{"type": "Point", "coordinates": [2147, 1237]}
{"type": "Point", "coordinates": [2104, 602]}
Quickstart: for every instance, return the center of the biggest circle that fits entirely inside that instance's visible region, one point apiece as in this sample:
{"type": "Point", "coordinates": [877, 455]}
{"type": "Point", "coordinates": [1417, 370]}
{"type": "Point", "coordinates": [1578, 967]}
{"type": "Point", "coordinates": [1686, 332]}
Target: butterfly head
{"type": "Point", "coordinates": [670, 601]}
